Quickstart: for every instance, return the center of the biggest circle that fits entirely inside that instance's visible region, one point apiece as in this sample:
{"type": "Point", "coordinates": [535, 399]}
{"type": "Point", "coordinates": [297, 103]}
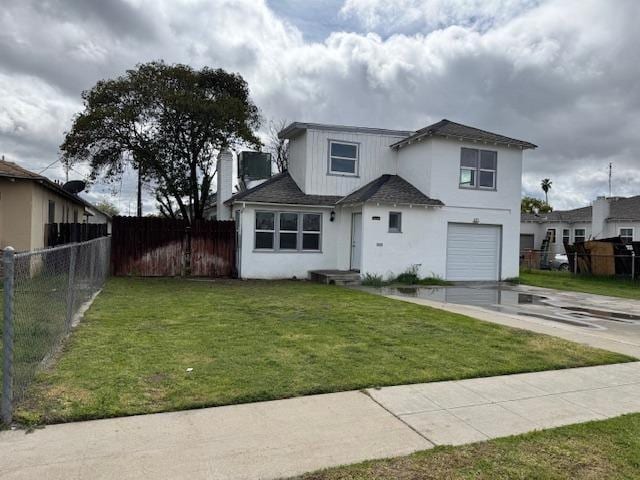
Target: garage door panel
{"type": "Point", "coordinates": [473, 252]}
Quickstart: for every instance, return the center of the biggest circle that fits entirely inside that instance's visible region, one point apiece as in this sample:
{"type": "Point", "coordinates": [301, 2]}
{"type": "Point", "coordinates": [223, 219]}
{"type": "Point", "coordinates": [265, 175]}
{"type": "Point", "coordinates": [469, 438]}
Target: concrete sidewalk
{"type": "Point", "coordinates": [466, 411]}
{"type": "Point", "coordinates": [288, 437]}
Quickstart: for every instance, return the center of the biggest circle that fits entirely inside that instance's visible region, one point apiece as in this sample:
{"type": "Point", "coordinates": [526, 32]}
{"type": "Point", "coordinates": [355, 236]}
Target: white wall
{"type": "Point", "coordinates": [540, 231]}
{"type": "Point", "coordinates": [261, 264]}
{"type": "Point", "coordinates": [424, 239]}
{"type": "Point", "coordinates": [297, 158]}
{"type": "Point", "coordinates": [375, 159]}
{"type": "Point", "coordinates": [613, 229]}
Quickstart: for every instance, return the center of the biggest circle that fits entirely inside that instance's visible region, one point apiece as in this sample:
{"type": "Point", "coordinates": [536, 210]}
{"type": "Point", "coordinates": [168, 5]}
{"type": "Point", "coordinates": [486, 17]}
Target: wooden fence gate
{"type": "Point", "coordinates": [163, 247]}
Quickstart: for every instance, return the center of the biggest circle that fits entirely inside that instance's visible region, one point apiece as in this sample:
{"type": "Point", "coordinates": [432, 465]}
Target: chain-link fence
{"type": "Point", "coordinates": [45, 294]}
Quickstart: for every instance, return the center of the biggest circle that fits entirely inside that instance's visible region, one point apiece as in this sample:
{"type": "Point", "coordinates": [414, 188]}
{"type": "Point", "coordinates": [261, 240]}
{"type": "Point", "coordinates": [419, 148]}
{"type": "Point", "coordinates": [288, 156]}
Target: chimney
{"type": "Point", "coordinates": [600, 212]}
{"type": "Point", "coordinates": [225, 178]}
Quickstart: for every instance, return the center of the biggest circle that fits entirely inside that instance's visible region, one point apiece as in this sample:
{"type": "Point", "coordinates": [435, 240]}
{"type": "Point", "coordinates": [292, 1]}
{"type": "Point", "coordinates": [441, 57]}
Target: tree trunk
{"type": "Point", "coordinates": [139, 190]}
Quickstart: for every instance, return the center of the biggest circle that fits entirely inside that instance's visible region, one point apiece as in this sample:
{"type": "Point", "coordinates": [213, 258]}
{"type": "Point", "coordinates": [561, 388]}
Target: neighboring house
{"type": "Point", "coordinates": [29, 201]}
{"type": "Point", "coordinates": [445, 198]}
{"type": "Point", "coordinates": [605, 218]}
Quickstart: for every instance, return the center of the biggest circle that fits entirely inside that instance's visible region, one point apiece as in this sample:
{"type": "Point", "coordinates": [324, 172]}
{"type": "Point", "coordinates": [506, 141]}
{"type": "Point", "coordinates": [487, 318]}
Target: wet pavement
{"type": "Point", "coordinates": [607, 317]}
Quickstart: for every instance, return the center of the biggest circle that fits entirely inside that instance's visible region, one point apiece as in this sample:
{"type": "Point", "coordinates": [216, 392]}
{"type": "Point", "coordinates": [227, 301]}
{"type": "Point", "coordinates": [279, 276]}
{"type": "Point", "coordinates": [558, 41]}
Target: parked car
{"type": "Point", "coordinates": [560, 262]}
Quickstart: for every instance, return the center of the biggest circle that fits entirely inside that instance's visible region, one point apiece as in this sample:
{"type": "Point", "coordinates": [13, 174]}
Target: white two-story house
{"type": "Point", "coordinates": [445, 198]}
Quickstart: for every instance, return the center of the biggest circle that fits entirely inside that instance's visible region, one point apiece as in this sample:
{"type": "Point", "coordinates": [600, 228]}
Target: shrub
{"type": "Point", "coordinates": [371, 280]}
{"type": "Point", "coordinates": [409, 276]}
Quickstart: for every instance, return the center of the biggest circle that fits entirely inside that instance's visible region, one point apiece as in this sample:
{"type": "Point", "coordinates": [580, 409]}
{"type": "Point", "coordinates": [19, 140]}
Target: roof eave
{"type": "Point", "coordinates": [278, 204]}
{"type": "Point", "coordinates": [418, 138]}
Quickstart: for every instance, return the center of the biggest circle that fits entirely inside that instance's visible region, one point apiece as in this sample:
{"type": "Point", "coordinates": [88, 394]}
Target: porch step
{"type": "Point", "coordinates": [335, 277]}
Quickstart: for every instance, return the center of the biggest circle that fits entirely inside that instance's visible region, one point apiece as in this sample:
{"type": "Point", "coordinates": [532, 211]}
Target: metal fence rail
{"type": "Point", "coordinates": [44, 291]}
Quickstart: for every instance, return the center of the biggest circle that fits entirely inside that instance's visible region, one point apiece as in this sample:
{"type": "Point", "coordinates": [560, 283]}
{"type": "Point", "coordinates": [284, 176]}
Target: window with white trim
{"type": "Point", "coordinates": [579, 235]}
{"type": "Point", "coordinates": [626, 235]}
{"type": "Point", "coordinates": [265, 230]}
{"type": "Point", "coordinates": [478, 168]}
{"type": "Point", "coordinates": [551, 233]}
{"type": "Point", "coordinates": [566, 236]}
{"type": "Point", "coordinates": [343, 158]}
{"type": "Point", "coordinates": [395, 222]}
{"type": "Point", "coordinates": [288, 231]}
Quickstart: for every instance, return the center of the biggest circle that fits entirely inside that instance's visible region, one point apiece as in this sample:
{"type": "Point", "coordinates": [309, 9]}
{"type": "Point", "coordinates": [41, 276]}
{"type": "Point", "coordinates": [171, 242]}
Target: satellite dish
{"type": "Point", "coordinates": [74, 186]}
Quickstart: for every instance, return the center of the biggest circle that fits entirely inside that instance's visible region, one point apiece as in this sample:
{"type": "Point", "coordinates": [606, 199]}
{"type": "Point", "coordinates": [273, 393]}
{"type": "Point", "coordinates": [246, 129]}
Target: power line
{"type": "Point", "coordinates": [49, 166]}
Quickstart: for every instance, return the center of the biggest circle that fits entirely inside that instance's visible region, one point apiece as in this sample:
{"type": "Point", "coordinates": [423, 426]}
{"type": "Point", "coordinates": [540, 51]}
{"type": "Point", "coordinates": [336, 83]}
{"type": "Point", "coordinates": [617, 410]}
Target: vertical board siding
{"type": "Point", "coordinates": [159, 247]}
{"type": "Point", "coordinates": [375, 159]}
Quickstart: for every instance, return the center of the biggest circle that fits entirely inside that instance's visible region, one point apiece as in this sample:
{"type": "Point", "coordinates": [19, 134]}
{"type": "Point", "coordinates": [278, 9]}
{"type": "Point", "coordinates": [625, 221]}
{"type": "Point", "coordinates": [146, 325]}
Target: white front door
{"type": "Point", "coordinates": [356, 240]}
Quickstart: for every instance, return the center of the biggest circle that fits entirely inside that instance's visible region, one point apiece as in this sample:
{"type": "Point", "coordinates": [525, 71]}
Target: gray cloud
{"type": "Point", "coordinates": [562, 74]}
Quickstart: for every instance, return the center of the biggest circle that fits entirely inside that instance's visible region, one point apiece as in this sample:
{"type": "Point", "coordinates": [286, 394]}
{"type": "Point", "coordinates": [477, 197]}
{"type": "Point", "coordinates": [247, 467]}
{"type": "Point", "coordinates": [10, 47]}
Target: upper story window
{"type": "Point", "coordinates": [478, 168]}
{"type": "Point", "coordinates": [343, 158]}
{"type": "Point", "coordinates": [626, 235]}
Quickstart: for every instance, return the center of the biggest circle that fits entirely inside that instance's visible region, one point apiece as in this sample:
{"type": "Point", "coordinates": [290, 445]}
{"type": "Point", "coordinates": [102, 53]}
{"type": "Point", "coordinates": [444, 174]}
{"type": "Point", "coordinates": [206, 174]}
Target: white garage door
{"type": "Point", "coordinates": [473, 252]}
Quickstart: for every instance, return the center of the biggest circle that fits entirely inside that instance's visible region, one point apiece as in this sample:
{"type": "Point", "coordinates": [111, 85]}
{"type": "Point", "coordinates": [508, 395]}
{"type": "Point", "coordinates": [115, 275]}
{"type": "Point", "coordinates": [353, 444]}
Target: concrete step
{"type": "Point", "coordinates": [335, 277]}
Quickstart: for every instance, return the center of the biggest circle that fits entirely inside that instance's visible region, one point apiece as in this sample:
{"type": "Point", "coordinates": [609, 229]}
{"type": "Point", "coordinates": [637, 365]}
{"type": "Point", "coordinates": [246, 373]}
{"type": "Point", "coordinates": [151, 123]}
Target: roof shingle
{"type": "Point", "coordinates": [390, 189]}
{"type": "Point", "coordinates": [282, 189]}
{"type": "Point", "coordinates": [447, 128]}
{"type": "Point", "coordinates": [621, 209]}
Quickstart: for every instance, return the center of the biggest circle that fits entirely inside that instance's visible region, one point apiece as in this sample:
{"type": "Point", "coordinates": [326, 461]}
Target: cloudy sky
{"type": "Point", "coordinates": [562, 74]}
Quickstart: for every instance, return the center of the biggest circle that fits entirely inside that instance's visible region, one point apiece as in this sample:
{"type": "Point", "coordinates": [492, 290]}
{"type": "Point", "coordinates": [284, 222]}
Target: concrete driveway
{"type": "Point", "coordinates": [599, 321]}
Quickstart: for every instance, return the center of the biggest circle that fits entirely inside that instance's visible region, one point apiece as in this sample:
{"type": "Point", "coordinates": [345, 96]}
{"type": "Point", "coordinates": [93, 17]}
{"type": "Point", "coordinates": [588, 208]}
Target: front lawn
{"type": "Point", "coordinates": [615, 287]}
{"type": "Point", "coordinates": [596, 450]}
{"type": "Point", "coordinates": [253, 341]}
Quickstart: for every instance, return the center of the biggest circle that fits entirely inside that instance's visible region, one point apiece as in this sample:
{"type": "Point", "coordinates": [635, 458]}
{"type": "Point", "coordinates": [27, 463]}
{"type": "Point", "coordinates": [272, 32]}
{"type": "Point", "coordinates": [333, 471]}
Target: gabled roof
{"type": "Point", "coordinates": [296, 128]}
{"type": "Point", "coordinates": [447, 128]}
{"type": "Point", "coordinates": [625, 208]}
{"type": "Point", "coordinates": [389, 189]}
{"type": "Point", "coordinates": [282, 189]}
{"type": "Point", "coordinates": [577, 215]}
{"type": "Point", "coordinates": [621, 209]}
{"type": "Point", "coordinates": [13, 170]}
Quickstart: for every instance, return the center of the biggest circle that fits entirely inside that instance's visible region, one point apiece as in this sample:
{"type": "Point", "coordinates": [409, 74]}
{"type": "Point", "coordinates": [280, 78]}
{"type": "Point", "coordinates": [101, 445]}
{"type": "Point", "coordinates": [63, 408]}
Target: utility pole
{"type": "Point", "coordinates": [610, 169]}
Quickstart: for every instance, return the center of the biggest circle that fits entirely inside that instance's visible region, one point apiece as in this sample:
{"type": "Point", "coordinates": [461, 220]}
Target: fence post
{"type": "Point", "coordinates": [575, 263]}
{"type": "Point", "coordinates": [71, 288]}
{"type": "Point", "coordinates": [8, 260]}
{"type": "Point", "coordinates": [633, 265]}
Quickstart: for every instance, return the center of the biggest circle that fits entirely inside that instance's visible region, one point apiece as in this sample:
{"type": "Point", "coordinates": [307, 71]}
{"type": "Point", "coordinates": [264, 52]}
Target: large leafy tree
{"type": "Point", "coordinates": [168, 122]}
{"type": "Point", "coordinates": [534, 205]}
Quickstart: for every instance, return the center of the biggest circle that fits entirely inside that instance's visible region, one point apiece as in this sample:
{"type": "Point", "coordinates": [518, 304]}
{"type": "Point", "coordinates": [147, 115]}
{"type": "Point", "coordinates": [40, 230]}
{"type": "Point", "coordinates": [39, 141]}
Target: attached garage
{"type": "Point", "coordinates": [473, 252]}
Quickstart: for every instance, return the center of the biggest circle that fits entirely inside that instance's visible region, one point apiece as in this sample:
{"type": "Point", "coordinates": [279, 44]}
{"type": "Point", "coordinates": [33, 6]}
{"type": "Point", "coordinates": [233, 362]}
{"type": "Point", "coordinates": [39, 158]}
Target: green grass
{"type": "Point", "coordinates": [253, 341]}
{"type": "Point", "coordinates": [614, 287]}
{"type": "Point", "coordinates": [597, 450]}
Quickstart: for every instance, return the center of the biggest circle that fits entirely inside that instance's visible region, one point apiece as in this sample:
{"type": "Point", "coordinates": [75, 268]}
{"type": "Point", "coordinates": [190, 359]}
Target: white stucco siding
{"type": "Point", "coordinates": [297, 158]}
{"type": "Point", "coordinates": [375, 159]}
{"type": "Point", "coordinates": [445, 177]}
{"type": "Point", "coordinates": [415, 164]}
{"type": "Point", "coordinates": [540, 231]}
{"type": "Point", "coordinates": [273, 265]}
{"type": "Point", "coordinates": [613, 228]}
{"type": "Point", "coordinates": [423, 240]}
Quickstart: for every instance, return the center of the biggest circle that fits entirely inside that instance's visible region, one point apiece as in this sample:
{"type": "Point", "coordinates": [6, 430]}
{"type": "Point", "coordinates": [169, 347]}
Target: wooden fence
{"type": "Point", "coordinates": [163, 247]}
{"type": "Point", "coordinates": [62, 233]}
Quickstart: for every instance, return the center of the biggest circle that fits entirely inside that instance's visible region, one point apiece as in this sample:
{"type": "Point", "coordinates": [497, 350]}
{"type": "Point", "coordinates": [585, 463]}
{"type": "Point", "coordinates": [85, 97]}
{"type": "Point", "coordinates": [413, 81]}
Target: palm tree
{"type": "Point", "coordinates": [546, 186]}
